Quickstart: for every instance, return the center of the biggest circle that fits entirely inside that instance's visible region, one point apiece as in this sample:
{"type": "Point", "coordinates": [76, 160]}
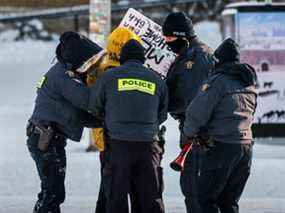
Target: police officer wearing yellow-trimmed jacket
{"type": "Point", "coordinates": [60, 113]}
{"type": "Point", "coordinates": [110, 60]}
{"type": "Point", "coordinates": [132, 100]}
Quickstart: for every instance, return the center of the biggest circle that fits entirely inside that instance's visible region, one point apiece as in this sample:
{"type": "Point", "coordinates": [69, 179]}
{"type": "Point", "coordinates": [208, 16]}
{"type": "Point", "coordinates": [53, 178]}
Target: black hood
{"type": "Point", "coordinates": [74, 49]}
{"type": "Point", "coordinates": [132, 50]}
{"type": "Point", "coordinates": [243, 72]}
{"type": "Point", "coordinates": [227, 52]}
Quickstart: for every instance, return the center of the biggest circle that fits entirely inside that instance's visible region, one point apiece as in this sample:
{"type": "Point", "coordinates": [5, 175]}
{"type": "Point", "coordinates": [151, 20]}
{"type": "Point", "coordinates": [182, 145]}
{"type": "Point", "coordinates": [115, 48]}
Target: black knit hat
{"type": "Point", "coordinates": [75, 49]}
{"type": "Point", "coordinates": [228, 51]}
{"type": "Point", "coordinates": [132, 50]}
{"type": "Point", "coordinates": [178, 25]}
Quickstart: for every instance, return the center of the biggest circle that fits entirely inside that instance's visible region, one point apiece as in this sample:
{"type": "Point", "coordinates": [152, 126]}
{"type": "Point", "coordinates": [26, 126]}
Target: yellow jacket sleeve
{"type": "Point", "coordinates": [97, 134]}
{"type": "Point", "coordinates": [97, 138]}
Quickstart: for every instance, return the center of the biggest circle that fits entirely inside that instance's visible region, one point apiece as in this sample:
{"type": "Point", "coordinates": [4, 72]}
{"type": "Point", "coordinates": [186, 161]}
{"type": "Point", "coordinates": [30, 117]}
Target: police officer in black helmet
{"type": "Point", "coordinates": [221, 115]}
{"type": "Point", "coordinates": [192, 65]}
{"type": "Point", "coordinates": [59, 114]}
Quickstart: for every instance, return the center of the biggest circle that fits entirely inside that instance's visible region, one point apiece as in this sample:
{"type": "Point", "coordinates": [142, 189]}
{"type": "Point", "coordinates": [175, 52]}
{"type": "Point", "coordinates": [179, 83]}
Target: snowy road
{"type": "Point", "coordinates": [265, 192]}
{"type": "Point", "coordinates": [22, 64]}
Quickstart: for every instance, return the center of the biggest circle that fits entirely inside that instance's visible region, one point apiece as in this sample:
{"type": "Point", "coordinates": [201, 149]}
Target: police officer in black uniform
{"type": "Point", "coordinates": [222, 114]}
{"type": "Point", "coordinates": [192, 65]}
{"type": "Point", "coordinates": [132, 100]}
{"type": "Point", "coordinates": [58, 115]}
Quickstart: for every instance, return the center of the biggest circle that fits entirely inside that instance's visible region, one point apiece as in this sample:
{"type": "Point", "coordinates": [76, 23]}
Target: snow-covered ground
{"type": "Point", "coordinates": [22, 64]}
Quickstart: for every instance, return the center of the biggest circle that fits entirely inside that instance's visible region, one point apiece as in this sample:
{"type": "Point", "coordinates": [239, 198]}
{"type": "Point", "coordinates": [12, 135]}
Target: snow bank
{"type": "Point", "coordinates": [33, 27]}
{"type": "Point", "coordinates": [22, 64]}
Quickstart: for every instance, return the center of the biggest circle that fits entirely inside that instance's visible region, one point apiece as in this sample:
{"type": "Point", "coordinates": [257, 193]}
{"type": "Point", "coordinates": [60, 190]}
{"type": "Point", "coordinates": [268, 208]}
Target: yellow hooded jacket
{"type": "Point", "coordinates": [115, 42]}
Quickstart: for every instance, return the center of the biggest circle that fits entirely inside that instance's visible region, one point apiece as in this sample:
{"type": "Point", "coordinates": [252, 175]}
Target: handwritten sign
{"type": "Point", "coordinates": [158, 55]}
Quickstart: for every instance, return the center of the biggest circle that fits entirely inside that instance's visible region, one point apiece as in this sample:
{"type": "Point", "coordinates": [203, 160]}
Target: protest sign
{"type": "Point", "coordinates": [158, 55]}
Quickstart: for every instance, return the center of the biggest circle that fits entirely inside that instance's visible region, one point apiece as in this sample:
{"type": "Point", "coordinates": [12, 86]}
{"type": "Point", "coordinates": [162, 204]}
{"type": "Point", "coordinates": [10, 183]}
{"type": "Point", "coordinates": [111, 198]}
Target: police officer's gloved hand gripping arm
{"type": "Point", "coordinates": [68, 86]}
{"type": "Point", "coordinates": [75, 92]}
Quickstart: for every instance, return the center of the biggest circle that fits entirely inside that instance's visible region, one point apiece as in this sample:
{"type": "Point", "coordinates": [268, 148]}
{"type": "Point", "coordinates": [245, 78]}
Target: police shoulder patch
{"type": "Point", "coordinates": [205, 87]}
{"type": "Point", "coordinates": [189, 65]}
{"type": "Point", "coordinates": [41, 82]}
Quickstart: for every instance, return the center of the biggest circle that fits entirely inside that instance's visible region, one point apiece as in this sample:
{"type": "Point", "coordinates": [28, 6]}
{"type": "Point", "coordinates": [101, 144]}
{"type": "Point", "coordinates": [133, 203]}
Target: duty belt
{"type": "Point", "coordinates": [32, 128]}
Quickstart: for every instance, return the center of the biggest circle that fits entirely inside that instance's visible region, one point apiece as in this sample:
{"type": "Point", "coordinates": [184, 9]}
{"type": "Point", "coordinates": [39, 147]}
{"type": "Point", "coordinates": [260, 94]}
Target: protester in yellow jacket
{"type": "Point", "coordinates": [109, 59]}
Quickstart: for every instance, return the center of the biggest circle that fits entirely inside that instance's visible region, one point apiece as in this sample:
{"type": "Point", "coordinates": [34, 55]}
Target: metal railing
{"type": "Point", "coordinates": [83, 10]}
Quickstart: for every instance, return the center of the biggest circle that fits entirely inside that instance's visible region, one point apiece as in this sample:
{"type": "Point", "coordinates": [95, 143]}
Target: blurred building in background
{"type": "Point", "coordinates": [199, 10]}
{"type": "Point", "coordinates": [42, 3]}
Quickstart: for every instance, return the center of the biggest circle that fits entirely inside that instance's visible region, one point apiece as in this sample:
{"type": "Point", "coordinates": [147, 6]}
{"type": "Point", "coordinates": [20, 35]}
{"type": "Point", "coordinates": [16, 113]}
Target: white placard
{"type": "Point", "coordinates": [159, 56]}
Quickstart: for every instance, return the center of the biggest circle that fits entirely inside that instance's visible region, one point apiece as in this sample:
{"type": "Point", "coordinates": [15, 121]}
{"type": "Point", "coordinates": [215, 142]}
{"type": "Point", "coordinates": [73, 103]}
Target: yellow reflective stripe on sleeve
{"type": "Point", "coordinates": [41, 82]}
{"type": "Point", "coordinates": [128, 84]}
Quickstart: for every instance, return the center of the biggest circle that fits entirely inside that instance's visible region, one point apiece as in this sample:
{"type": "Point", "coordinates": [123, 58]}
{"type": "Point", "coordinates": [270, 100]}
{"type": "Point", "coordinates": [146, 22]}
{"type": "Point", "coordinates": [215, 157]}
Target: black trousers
{"type": "Point", "coordinates": [51, 167]}
{"type": "Point", "coordinates": [213, 181]}
{"type": "Point", "coordinates": [133, 167]}
{"type": "Point", "coordinates": [101, 204]}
